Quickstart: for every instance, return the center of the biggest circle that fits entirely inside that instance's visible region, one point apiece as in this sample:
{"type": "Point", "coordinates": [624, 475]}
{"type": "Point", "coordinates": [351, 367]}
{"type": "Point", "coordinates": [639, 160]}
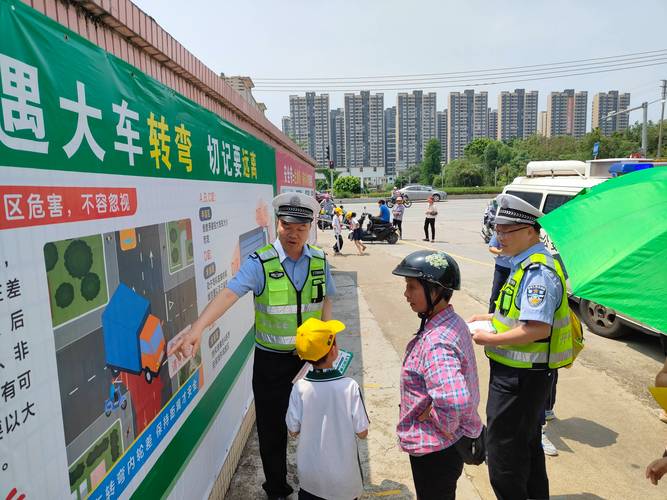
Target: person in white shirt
{"type": "Point", "coordinates": [337, 224]}
{"type": "Point", "coordinates": [327, 412]}
{"type": "Point", "coordinates": [353, 223]}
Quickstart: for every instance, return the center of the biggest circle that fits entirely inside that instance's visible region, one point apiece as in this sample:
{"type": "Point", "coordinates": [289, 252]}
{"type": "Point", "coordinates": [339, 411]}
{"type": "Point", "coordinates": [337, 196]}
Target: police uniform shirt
{"type": "Point", "coordinates": [501, 260]}
{"type": "Point", "coordinates": [540, 292]}
{"type": "Point", "coordinates": [251, 274]}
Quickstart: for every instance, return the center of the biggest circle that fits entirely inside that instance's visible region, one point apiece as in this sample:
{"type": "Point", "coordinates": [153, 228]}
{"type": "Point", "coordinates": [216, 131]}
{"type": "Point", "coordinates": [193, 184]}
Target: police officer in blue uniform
{"type": "Point", "coordinates": [517, 388]}
{"type": "Point", "coordinates": [280, 276]}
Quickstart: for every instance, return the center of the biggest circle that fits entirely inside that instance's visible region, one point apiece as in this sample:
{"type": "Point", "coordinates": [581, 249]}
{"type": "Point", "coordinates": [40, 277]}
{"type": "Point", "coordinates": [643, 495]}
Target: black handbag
{"type": "Point", "coordinates": [473, 450]}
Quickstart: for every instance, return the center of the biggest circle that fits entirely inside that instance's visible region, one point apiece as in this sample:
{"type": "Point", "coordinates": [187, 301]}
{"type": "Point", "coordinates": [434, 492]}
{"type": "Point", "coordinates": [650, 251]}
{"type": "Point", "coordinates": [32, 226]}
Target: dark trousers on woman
{"type": "Point", "coordinates": [500, 275]}
{"type": "Point", "coordinates": [272, 376]}
{"type": "Point", "coordinates": [398, 224]}
{"type": "Point", "coordinates": [435, 474]}
{"type": "Point", "coordinates": [429, 222]}
{"type": "Point", "coordinates": [514, 410]}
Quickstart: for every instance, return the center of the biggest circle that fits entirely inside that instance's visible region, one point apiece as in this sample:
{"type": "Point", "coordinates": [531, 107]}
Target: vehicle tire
{"type": "Point", "coordinates": [407, 202]}
{"type": "Point", "coordinates": [390, 204]}
{"type": "Point", "coordinates": [601, 320]}
{"type": "Point", "coordinates": [392, 238]}
{"type": "Point", "coordinates": [148, 375]}
{"type": "Point", "coordinates": [436, 198]}
{"type": "Point", "coordinates": [107, 408]}
{"type": "Point", "coordinates": [123, 405]}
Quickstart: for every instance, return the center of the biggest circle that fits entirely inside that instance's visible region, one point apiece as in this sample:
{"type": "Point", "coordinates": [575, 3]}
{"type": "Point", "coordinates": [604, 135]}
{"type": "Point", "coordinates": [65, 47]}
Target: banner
{"type": "Point", "coordinates": [124, 209]}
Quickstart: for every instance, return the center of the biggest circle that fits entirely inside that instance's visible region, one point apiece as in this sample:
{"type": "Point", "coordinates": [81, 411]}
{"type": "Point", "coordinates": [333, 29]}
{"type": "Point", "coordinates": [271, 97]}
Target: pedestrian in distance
{"type": "Point", "coordinates": [327, 413]}
{"type": "Point", "coordinates": [291, 283]}
{"type": "Point", "coordinates": [397, 215]}
{"type": "Point", "coordinates": [439, 384]}
{"type": "Point", "coordinates": [429, 220]}
{"type": "Point", "coordinates": [337, 224]}
{"type": "Point", "coordinates": [355, 229]}
{"type": "Point", "coordinates": [531, 338]}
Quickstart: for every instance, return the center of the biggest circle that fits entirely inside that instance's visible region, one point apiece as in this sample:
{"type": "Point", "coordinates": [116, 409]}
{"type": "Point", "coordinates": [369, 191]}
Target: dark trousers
{"type": "Point", "coordinates": [551, 395]}
{"type": "Point", "coordinates": [514, 410]}
{"type": "Point", "coordinates": [429, 222]}
{"type": "Point", "coordinates": [272, 375]}
{"type": "Point", "coordinates": [338, 246]}
{"type": "Point", "coordinates": [500, 275]}
{"type": "Point", "coordinates": [398, 224]}
{"type": "Point", "coordinates": [435, 474]}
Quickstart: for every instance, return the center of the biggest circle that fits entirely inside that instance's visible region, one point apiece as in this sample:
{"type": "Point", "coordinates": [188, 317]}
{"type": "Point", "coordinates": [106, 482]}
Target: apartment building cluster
{"type": "Point", "coordinates": [365, 134]}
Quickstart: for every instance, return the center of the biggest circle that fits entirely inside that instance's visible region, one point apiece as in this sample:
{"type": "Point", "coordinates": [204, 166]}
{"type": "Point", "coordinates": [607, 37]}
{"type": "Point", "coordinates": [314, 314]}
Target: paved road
{"type": "Point", "coordinates": [607, 428]}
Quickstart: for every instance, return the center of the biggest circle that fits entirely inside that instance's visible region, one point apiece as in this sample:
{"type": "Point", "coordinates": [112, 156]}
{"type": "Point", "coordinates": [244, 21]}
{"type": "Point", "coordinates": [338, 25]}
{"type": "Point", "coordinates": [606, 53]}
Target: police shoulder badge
{"type": "Point", "coordinates": [536, 294]}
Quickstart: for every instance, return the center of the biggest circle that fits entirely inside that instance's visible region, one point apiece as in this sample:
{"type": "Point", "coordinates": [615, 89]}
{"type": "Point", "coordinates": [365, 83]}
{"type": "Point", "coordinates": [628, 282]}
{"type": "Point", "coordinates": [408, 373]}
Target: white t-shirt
{"type": "Point", "coordinates": [328, 410]}
{"type": "Point", "coordinates": [336, 225]}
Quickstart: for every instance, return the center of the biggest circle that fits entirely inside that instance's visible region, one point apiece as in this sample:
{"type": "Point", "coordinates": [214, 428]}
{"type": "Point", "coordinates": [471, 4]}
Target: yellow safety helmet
{"type": "Point", "coordinates": [338, 210]}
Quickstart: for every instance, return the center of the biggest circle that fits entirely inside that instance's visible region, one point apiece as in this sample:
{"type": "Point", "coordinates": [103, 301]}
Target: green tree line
{"type": "Point", "coordinates": [488, 162]}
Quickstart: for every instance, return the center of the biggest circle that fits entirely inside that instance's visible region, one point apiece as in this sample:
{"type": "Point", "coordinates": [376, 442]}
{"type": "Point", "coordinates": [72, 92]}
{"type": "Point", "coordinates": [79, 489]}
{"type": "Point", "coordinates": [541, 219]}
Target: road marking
{"type": "Point", "coordinates": [142, 276]}
{"type": "Point", "coordinates": [91, 378]}
{"type": "Point", "coordinates": [75, 389]}
{"type": "Point", "coordinates": [450, 253]}
{"type": "Point", "coordinates": [141, 257]}
{"type": "Point", "coordinates": [386, 493]}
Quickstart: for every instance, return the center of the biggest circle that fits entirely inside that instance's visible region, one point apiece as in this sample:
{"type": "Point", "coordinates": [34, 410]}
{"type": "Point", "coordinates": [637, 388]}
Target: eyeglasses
{"type": "Point", "coordinates": [505, 233]}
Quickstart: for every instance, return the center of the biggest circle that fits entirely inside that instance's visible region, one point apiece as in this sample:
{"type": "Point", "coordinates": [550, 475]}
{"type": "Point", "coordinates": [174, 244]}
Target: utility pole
{"type": "Point", "coordinates": [662, 117]}
{"type": "Point", "coordinates": [644, 107]}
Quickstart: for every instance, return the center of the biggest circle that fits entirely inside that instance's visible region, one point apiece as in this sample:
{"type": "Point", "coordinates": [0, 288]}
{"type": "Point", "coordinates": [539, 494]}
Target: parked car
{"type": "Point", "coordinates": [419, 192]}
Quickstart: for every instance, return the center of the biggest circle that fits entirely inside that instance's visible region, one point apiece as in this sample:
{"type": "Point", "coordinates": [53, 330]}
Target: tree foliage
{"type": "Point", "coordinates": [78, 258]}
{"type": "Point", "coordinates": [430, 165]}
{"type": "Point", "coordinates": [490, 162]}
{"type": "Point", "coordinates": [348, 184]}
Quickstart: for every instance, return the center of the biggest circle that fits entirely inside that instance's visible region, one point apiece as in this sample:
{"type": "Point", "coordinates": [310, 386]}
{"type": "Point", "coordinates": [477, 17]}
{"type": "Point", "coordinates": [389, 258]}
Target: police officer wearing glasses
{"type": "Point", "coordinates": [531, 338]}
{"type": "Point", "coordinates": [291, 282]}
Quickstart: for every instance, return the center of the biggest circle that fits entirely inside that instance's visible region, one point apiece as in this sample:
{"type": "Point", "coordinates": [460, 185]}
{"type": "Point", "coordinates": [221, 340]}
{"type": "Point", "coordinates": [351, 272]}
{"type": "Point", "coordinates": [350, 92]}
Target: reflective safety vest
{"type": "Point", "coordinates": [552, 352]}
{"type": "Point", "coordinates": [281, 308]}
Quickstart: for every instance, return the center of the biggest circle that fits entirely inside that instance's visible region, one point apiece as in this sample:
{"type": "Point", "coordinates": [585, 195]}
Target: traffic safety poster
{"type": "Point", "coordinates": [124, 209]}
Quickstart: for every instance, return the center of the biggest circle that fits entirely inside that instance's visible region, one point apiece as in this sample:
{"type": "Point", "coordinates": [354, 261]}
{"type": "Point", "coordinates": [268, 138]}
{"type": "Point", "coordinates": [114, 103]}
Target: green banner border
{"type": "Point", "coordinates": [175, 458]}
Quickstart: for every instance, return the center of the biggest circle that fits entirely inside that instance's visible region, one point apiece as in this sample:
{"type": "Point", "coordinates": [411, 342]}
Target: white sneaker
{"type": "Point", "coordinates": [548, 446]}
{"type": "Point", "coordinates": [549, 415]}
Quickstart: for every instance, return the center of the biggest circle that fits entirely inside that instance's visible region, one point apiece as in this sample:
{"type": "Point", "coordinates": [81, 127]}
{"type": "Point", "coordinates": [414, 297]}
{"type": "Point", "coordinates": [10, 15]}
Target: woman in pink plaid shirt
{"type": "Point", "coordinates": [439, 385]}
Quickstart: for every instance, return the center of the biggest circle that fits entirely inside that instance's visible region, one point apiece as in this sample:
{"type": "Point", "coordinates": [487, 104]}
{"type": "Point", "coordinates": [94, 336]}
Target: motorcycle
{"type": "Point", "coordinates": [377, 230]}
{"type": "Point", "coordinates": [407, 202]}
{"type": "Point", "coordinates": [116, 399]}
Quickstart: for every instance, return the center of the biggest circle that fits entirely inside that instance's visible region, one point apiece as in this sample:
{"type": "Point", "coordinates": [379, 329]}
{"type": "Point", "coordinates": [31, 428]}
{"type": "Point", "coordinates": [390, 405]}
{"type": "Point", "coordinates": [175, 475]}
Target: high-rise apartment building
{"type": "Point", "coordinates": [480, 120]}
{"type": "Point", "coordinates": [337, 134]}
{"type": "Point", "coordinates": [542, 123]}
{"type": "Point", "coordinates": [493, 124]}
{"type": "Point", "coordinates": [467, 119]}
{"type": "Point", "coordinates": [390, 141]}
{"type": "Point", "coordinates": [309, 115]}
{"type": "Point", "coordinates": [441, 133]}
{"type": "Point", "coordinates": [287, 125]}
{"type": "Point", "coordinates": [566, 113]}
{"type": "Point", "coordinates": [517, 114]}
{"type": "Point", "coordinates": [415, 125]}
{"type": "Point", "coordinates": [605, 103]}
{"type": "Point", "coordinates": [364, 130]}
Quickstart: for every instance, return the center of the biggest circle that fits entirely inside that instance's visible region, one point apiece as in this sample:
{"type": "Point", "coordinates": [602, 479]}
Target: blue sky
{"type": "Point", "coordinates": [301, 38]}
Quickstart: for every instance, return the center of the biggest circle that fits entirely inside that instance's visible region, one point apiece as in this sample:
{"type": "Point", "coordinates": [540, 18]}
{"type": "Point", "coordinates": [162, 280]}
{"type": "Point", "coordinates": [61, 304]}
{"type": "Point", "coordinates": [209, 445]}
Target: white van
{"type": "Point", "coordinates": [548, 185]}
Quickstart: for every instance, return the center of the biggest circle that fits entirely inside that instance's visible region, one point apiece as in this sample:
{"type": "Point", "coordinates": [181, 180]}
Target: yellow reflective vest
{"type": "Point", "coordinates": [281, 308]}
{"type": "Point", "coordinates": [553, 352]}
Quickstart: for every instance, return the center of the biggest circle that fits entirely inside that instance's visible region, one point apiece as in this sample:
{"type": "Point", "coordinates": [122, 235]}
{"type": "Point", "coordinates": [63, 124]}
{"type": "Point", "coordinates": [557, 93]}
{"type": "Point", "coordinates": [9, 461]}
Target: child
{"type": "Point", "coordinates": [327, 410]}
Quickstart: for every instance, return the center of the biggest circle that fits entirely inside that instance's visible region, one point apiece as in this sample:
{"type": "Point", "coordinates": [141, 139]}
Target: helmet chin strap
{"type": "Point", "coordinates": [430, 305]}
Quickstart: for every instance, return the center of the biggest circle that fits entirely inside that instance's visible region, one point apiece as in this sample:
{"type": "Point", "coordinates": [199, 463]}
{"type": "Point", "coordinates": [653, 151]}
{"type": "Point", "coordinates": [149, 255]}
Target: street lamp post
{"type": "Point", "coordinates": [644, 107]}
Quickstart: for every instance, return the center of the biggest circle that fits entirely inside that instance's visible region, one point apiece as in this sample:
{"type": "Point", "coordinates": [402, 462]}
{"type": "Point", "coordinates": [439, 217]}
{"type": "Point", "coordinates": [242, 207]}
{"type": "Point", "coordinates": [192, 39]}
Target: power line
{"type": "Point", "coordinates": [498, 77]}
{"type": "Point", "coordinates": [468, 72]}
{"type": "Point", "coordinates": [467, 84]}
